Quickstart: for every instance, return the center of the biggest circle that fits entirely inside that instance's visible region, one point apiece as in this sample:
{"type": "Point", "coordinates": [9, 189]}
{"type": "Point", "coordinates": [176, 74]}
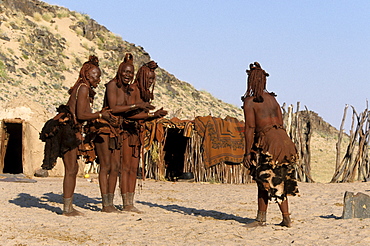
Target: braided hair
{"type": "Point", "coordinates": [82, 78]}
{"type": "Point", "coordinates": [256, 82]}
{"type": "Point", "coordinates": [142, 80]}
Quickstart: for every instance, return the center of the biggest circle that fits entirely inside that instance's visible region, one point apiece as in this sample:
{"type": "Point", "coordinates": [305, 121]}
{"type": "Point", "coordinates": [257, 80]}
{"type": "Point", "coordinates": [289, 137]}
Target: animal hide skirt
{"type": "Point", "coordinates": [275, 157]}
{"type": "Point", "coordinates": [60, 135]}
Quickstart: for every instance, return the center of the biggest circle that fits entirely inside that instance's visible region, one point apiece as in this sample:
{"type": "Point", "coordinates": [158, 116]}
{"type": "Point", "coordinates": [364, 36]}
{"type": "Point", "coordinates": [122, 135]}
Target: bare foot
{"type": "Point", "coordinates": [255, 224]}
{"type": "Point", "coordinates": [74, 212]}
{"type": "Point", "coordinates": [110, 209]}
{"type": "Point", "coordinates": [286, 222]}
{"type": "Point", "coordinates": [132, 209]}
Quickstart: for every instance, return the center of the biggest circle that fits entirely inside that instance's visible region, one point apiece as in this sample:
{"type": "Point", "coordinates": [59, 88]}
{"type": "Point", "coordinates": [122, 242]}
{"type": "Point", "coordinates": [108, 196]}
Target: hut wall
{"type": "Point", "coordinates": [220, 173]}
{"type": "Point", "coordinates": [32, 116]}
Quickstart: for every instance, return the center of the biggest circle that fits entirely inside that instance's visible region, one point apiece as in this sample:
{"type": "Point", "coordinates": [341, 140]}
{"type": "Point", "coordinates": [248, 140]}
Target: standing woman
{"type": "Point", "coordinates": [64, 133]}
{"type": "Point", "coordinates": [108, 143]}
{"type": "Point", "coordinates": [132, 131]}
{"type": "Point", "coordinates": [270, 154]}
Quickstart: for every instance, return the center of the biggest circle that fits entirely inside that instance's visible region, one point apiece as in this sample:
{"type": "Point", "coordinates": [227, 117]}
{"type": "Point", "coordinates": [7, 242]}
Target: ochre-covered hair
{"type": "Point", "coordinates": [127, 61]}
{"type": "Point", "coordinates": [142, 80]}
{"type": "Point", "coordinates": [91, 63]}
{"type": "Point", "coordinates": [256, 82]}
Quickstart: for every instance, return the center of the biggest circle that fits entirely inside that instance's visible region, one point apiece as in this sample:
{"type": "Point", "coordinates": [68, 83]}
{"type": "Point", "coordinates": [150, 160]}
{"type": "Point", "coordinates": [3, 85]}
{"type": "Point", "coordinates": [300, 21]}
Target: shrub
{"type": "Point", "coordinates": [79, 31]}
{"type": "Point", "coordinates": [37, 16]}
{"type": "Point", "coordinates": [85, 45]}
{"type": "Point", "coordinates": [81, 17]}
{"type": "Point", "coordinates": [11, 51]}
{"type": "Point", "coordinates": [47, 17]}
{"type": "Point", "coordinates": [62, 13]}
{"type": "Point", "coordinates": [57, 86]}
{"type": "Point", "coordinates": [2, 70]}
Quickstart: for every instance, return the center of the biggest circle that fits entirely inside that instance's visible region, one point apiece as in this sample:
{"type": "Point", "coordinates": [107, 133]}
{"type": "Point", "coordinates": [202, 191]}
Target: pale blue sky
{"type": "Point", "coordinates": [316, 52]}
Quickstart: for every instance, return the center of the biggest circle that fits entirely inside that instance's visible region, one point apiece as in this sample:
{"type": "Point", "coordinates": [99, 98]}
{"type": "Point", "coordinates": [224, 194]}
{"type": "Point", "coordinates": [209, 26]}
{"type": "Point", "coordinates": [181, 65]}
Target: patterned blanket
{"type": "Point", "coordinates": [223, 139]}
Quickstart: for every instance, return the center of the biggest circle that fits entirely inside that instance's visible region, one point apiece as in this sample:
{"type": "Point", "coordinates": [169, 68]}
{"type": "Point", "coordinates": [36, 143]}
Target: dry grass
{"type": "Point", "coordinates": [37, 16]}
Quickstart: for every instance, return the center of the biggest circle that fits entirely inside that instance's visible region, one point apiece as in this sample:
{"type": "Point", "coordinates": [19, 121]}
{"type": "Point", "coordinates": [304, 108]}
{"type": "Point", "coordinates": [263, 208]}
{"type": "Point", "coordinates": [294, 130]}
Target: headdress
{"type": "Point", "coordinates": [127, 61]}
{"type": "Point", "coordinates": [256, 83]}
{"type": "Point", "coordinates": [91, 63]}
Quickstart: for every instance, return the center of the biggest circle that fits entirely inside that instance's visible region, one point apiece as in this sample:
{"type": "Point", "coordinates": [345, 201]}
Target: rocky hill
{"type": "Point", "coordinates": [44, 46]}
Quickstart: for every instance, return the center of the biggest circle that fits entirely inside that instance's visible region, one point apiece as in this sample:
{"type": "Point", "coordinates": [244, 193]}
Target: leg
{"type": "Point", "coordinates": [70, 172]}
{"type": "Point", "coordinates": [69, 182]}
{"type": "Point", "coordinates": [114, 170]}
{"type": "Point", "coordinates": [262, 209]}
{"type": "Point", "coordinates": [284, 208]}
{"type": "Point", "coordinates": [128, 177]}
{"type": "Point", "coordinates": [112, 179]}
{"type": "Point", "coordinates": [262, 200]}
{"type": "Point", "coordinates": [107, 174]}
{"type": "Point", "coordinates": [103, 152]}
{"type": "Point", "coordinates": [125, 166]}
{"type": "Point", "coordinates": [132, 173]}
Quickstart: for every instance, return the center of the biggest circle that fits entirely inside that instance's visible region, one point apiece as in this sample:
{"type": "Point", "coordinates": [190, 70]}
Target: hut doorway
{"type": "Point", "coordinates": [174, 148]}
{"type": "Point", "coordinates": [11, 146]}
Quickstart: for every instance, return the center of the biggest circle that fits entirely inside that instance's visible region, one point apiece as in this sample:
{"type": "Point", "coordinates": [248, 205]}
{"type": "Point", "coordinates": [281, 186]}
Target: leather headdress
{"type": "Point", "coordinates": [127, 61]}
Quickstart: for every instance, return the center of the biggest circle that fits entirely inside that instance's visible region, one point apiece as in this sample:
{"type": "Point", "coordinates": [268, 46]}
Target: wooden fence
{"type": "Point", "coordinates": [354, 166]}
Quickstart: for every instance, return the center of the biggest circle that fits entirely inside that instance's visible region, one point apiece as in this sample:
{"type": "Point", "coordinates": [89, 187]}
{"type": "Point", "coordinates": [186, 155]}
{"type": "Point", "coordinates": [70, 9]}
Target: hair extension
{"type": "Point", "coordinates": [256, 82]}
{"type": "Point", "coordinates": [142, 80]}
{"type": "Point", "coordinates": [91, 63]}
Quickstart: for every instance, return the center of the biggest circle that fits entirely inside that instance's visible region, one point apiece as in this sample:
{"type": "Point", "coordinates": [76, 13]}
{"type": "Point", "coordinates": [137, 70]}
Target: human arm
{"type": "Point", "coordinates": [145, 114]}
{"type": "Point", "coordinates": [149, 116]}
{"type": "Point", "coordinates": [250, 125]}
{"type": "Point", "coordinates": [113, 103]}
{"type": "Point", "coordinates": [279, 114]}
{"type": "Point", "coordinates": [83, 109]}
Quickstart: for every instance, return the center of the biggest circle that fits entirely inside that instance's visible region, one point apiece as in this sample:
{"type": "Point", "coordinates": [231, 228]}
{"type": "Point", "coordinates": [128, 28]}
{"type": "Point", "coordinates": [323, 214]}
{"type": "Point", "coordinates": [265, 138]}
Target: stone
{"type": "Point", "coordinates": [4, 37]}
{"type": "Point", "coordinates": [23, 70]}
{"type": "Point", "coordinates": [41, 173]}
{"type": "Point", "coordinates": [356, 206]}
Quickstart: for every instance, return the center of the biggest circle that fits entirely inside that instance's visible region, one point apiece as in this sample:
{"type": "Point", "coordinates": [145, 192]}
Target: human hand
{"type": "Point", "coordinates": [160, 113]}
{"type": "Point", "coordinates": [108, 116]}
{"type": "Point", "coordinates": [247, 160]}
{"type": "Point", "coordinates": [145, 106]}
{"type": "Point", "coordinates": [105, 113]}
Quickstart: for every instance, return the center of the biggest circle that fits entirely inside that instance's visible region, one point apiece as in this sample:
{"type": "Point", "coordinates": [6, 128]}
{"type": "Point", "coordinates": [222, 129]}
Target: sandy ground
{"type": "Point", "coordinates": [181, 213]}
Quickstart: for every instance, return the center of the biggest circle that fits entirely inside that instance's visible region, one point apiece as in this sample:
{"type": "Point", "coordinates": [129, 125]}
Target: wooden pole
{"type": "Point", "coordinates": [340, 136]}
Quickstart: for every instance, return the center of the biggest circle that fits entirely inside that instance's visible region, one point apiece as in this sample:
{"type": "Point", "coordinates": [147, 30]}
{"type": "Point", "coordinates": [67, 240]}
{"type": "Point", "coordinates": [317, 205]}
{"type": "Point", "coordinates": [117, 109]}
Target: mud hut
{"type": "Point", "coordinates": [21, 151]}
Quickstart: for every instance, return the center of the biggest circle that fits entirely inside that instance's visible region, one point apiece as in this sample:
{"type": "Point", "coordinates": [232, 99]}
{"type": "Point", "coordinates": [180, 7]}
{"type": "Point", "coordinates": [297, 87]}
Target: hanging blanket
{"type": "Point", "coordinates": [223, 140]}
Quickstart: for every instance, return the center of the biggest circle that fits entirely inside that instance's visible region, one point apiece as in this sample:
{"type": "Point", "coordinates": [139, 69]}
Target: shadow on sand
{"type": "Point", "coordinates": [48, 200]}
{"type": "Point", "coordinates": [331, 216]}
{"type": "Point", "coordinates": [198, 212]}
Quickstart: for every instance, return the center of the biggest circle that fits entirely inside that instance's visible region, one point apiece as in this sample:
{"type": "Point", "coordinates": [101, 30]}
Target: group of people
{"type": "Point", "coordinates": [116, 133]}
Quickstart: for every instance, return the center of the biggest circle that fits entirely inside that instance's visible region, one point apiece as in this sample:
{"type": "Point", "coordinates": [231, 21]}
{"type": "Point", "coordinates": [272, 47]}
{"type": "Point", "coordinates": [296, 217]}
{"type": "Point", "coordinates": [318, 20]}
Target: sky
{"type": "Point", "coordinates": [316, 52]}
